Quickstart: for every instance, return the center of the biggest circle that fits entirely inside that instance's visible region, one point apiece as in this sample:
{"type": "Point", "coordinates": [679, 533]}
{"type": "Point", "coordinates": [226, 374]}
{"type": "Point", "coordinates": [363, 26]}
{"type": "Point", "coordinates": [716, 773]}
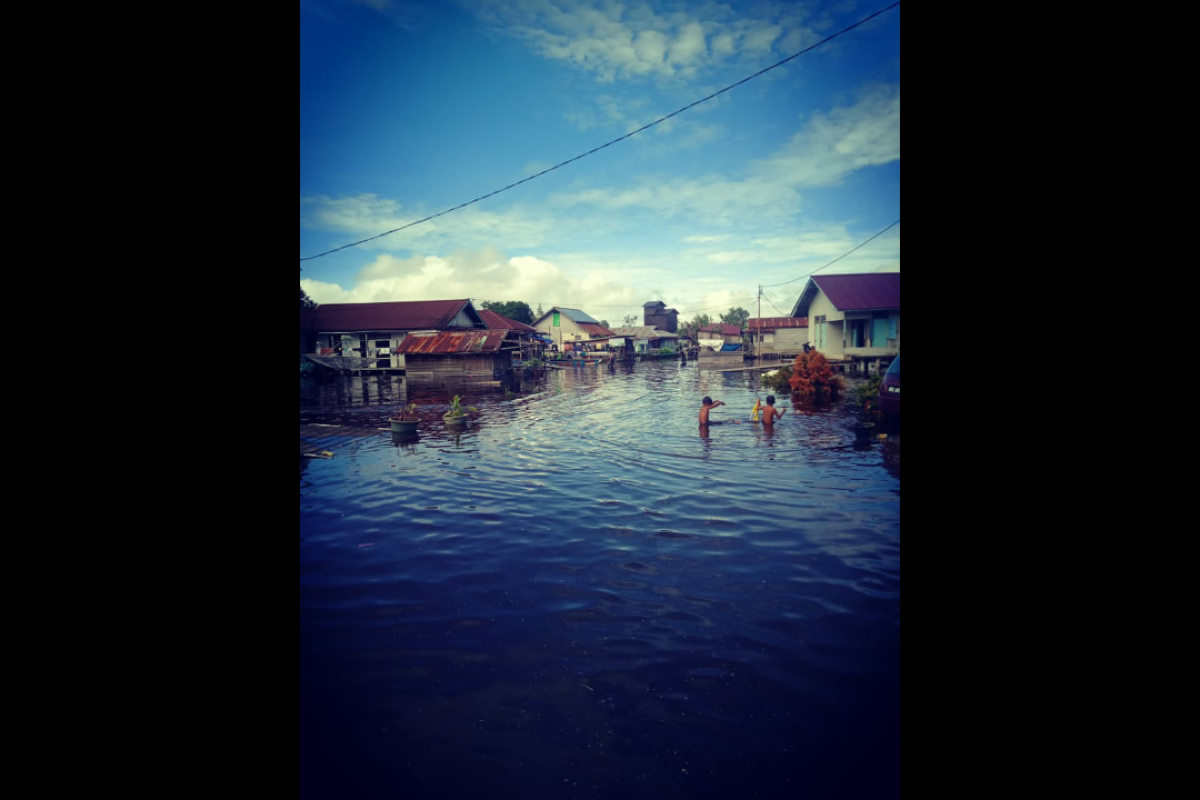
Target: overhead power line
{"type": "Point", "coordinates": [610, 143]}
{"type": "Point", "coordinates": [839, 258]}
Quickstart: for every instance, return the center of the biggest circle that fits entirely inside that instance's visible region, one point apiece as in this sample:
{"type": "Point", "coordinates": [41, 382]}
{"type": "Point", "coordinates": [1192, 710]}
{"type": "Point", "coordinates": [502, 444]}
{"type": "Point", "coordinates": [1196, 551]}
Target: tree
{"type": "Point", "coordinates": [604, 324]}
{"type": "Point", "coordinates": [305, 300]}
{"type": "Point", "coordinates": [736, 316]}
{"type": "Point", "coordinates": [630, 321]}
{"type": "Point", "coordinates": [513, 309]}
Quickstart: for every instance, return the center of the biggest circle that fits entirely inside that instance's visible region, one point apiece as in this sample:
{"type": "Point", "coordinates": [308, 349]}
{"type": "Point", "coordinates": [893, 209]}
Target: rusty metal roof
{"type": "Point", "coordinates": [723, 328]}
{"type": "Point", "coordinates": [594, 329]}
{"type": "Point", "coordinates": [775, 323]}
{"type": "Point", "coordinates": [451, 343]}
{"type": "Point", "coordinates": [496, 322]}
{"type": "Point", "coordinates": [408, 315]}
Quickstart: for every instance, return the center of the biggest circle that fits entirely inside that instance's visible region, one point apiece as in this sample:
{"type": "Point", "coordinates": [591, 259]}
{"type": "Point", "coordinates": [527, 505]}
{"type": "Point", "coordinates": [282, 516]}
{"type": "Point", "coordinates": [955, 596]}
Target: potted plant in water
{"type": "Point", "coordinates": [457, 415]}
{"type": "Point", "coordinates": [404, 420]}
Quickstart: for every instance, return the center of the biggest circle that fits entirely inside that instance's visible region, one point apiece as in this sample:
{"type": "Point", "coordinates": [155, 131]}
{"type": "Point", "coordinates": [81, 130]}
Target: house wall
{"type": "Point", "coordinates": [869, 333]}
{"type": "Point", "coordinates": [565, 332]}
{"type": "Point", "coordinates": [367, 344]}
{"type": "Point", "coordinates": [826, 325]}
{"type": "Point", "coordinates": [433, 367]}
{"type": "Point", "coordinates": [790, 340]}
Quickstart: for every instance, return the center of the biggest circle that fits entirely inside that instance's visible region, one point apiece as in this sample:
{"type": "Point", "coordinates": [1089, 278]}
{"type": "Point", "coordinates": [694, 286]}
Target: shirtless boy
{"type": "Point", "coordinates": [770, 413]}
{"type": "Point", "coordinates": [709, 405]}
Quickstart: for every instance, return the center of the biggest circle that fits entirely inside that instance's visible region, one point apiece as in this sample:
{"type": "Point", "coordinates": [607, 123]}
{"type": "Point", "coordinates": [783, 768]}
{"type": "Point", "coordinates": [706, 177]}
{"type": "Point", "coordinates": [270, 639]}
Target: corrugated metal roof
{"type": "Point", "coordinates": [594, 328]}
{"type": "Point", "coordinates": [723, 328]}
{"type": "Point", "coordinates": [451, 343]}
{"type": "Point", "coordinates": [407, 315]}
{"type": "Point", "coordinates": [644, 332]}
{"type": "Point", "coordinates": [575, 315]}
{"type": "Point", "coordinates": [864, 292]}
{"type": "Point", "coordinates": [774, 323]}
{"type": "Point", "coordinates": [497, 322]}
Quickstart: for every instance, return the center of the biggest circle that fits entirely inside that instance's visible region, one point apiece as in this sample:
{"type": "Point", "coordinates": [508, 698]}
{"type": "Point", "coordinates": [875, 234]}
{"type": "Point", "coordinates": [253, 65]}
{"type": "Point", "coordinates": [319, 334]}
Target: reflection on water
{"type": "Point", "coordinates": [583, 594]}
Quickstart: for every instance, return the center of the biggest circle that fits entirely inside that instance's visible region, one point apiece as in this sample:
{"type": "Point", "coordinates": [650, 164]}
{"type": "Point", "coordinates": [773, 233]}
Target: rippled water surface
{"type": "Point", "coordinates": [582, 595]}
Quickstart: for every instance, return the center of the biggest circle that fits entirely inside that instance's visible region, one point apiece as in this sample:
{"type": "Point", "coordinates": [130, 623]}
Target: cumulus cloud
{"type": "Point", "coordinates": [485, 274]}
{"type": "Point", "coordinates": [669, 39]}
{"type": "Point", "coordinates": [832, 145]}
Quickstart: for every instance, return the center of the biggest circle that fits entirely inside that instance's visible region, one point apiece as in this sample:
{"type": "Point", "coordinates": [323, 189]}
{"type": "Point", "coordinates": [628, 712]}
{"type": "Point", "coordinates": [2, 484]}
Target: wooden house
{"type": "Point", "coordinates": [718, 334]}
{"type": "Point", "coordinates": [648, 340]}
{"type": "Point", "coordinates": [655, 314]}
{"type": "Point", "coordinates": [570, 328]}
{"type": "Point", "coordinates": [450, 356]}
{"type": "Point", "coordinates": [853, 317]}
{"type": "Point", "coordinates": [779, 336]}
{"type": "Point", "coordinates": [367, 335]}
{"type": "Point", "coordinates": [529, 343]}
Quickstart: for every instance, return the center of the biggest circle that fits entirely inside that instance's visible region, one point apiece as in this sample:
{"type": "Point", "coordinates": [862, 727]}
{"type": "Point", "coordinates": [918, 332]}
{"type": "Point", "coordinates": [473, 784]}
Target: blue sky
{"type": "Point", "coordinates": [408, 109]}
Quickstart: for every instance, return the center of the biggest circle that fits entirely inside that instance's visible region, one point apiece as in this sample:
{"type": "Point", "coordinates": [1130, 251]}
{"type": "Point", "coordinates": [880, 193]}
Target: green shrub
{"type": "Point", "coordinates": [866, 397]}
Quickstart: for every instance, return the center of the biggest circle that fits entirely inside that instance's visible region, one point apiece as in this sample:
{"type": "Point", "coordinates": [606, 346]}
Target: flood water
{"type": "Point", "coordinates": [583, 595]}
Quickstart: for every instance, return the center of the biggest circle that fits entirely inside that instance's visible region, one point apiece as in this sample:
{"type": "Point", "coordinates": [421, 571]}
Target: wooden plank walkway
{"type": "Point", "coordinates": [317, 437]}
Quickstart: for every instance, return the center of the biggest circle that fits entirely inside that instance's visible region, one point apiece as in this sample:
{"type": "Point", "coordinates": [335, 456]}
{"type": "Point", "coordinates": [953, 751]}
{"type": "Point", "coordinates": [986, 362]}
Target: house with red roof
{"type": "Point", "coordinates": [570, 328]}
{"type": "Point", "coordinates": [529, 343]}
{"type": "Point", "coordinates": [852, 317]}
{"type": "Point", "coordinates": [369, 335]}
{"type": "Point", "coordinates": [783, 336]}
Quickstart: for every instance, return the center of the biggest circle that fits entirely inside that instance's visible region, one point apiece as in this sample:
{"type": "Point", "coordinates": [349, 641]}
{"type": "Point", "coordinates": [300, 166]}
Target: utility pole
{"type": "Point", "coordinates": [756, 349]}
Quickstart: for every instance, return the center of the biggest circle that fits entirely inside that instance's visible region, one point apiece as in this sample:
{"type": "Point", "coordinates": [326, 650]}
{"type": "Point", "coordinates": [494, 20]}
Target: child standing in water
{"type": "Point", "coordinates": [708, 405]}
{"type": "Point", "coordinates": [769, 412]}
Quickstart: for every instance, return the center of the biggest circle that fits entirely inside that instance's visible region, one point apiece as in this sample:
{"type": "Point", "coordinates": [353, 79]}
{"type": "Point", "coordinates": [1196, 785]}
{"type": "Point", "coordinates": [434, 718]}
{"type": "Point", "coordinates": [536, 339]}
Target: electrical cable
{"type": "Point", "coordinates": [610, 143]}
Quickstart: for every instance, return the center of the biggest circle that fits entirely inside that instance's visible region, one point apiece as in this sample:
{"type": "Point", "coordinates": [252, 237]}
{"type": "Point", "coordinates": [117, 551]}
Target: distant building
{"type": "Point", "coordinates": [655, 314]}
{"type": "Point", "coordinates": [717, 334]}
{"type": "Point", "coordinates": [779, 335]}
{"type": "Point", "coordinates": [570, 326]}
{"type": "Point", "coordinates": [648, 340]}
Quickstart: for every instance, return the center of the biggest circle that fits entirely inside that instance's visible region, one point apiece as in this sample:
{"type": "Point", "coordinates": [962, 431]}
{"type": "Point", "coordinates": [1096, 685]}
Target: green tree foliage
{"type": "Point", "coordinates": [736, 316]}
{"type": "Point", "coordinates": [696, 323]}
{"type": "Point", "coordinates": [604, 324]}
{"type": "Point", "coordinates": [866, 396]}
{"type": "Point", "coordinates": [518, 310]}
{"type": "Point", "coordinates": [630, 321]}
{"type": "Point", "coordinates": [305, 300]}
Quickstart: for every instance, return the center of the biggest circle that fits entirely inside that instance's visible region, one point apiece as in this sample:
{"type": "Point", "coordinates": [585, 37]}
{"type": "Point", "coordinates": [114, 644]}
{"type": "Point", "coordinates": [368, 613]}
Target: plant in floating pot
{"type": "Point", "coordinates": [404, 420]}
{"type": "Point", "coordinates": [457, 415]}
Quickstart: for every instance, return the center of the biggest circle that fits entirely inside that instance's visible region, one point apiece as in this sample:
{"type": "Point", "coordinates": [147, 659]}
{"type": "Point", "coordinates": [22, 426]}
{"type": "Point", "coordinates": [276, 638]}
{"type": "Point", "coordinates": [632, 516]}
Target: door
{"type": "Point", "coordinates": [879, 331]}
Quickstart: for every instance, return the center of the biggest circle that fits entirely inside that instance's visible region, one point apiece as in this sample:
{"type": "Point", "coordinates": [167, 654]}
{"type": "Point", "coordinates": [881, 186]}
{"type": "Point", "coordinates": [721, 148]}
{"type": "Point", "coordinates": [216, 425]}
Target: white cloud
{"type": "Point", "coordinates": [668, 39]}
{"type": "Point", "coordinates": [485, 274]}
{"type": "Point", "coordinates": [832, 145]}
{"type": "Point", "coordinates": [367, 215]}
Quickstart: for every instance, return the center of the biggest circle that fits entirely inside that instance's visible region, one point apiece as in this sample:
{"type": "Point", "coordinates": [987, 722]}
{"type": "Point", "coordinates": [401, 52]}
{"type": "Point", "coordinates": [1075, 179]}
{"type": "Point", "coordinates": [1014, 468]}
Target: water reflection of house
{"type": "Point", "coordinates": [853, 318]}
{"type": "Point", "coordinates": [366, 335]}
{"type": "Point", "coordinates": [779, 336]}
{"type": "Point", "coordinates": [570, 326]}
{"type": "Point", "coordinates": [649, 340]}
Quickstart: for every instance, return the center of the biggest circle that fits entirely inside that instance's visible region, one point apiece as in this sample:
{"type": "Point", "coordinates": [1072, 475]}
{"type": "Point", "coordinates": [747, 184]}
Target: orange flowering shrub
{"type": "Point", "coordinates": [813, 379]}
